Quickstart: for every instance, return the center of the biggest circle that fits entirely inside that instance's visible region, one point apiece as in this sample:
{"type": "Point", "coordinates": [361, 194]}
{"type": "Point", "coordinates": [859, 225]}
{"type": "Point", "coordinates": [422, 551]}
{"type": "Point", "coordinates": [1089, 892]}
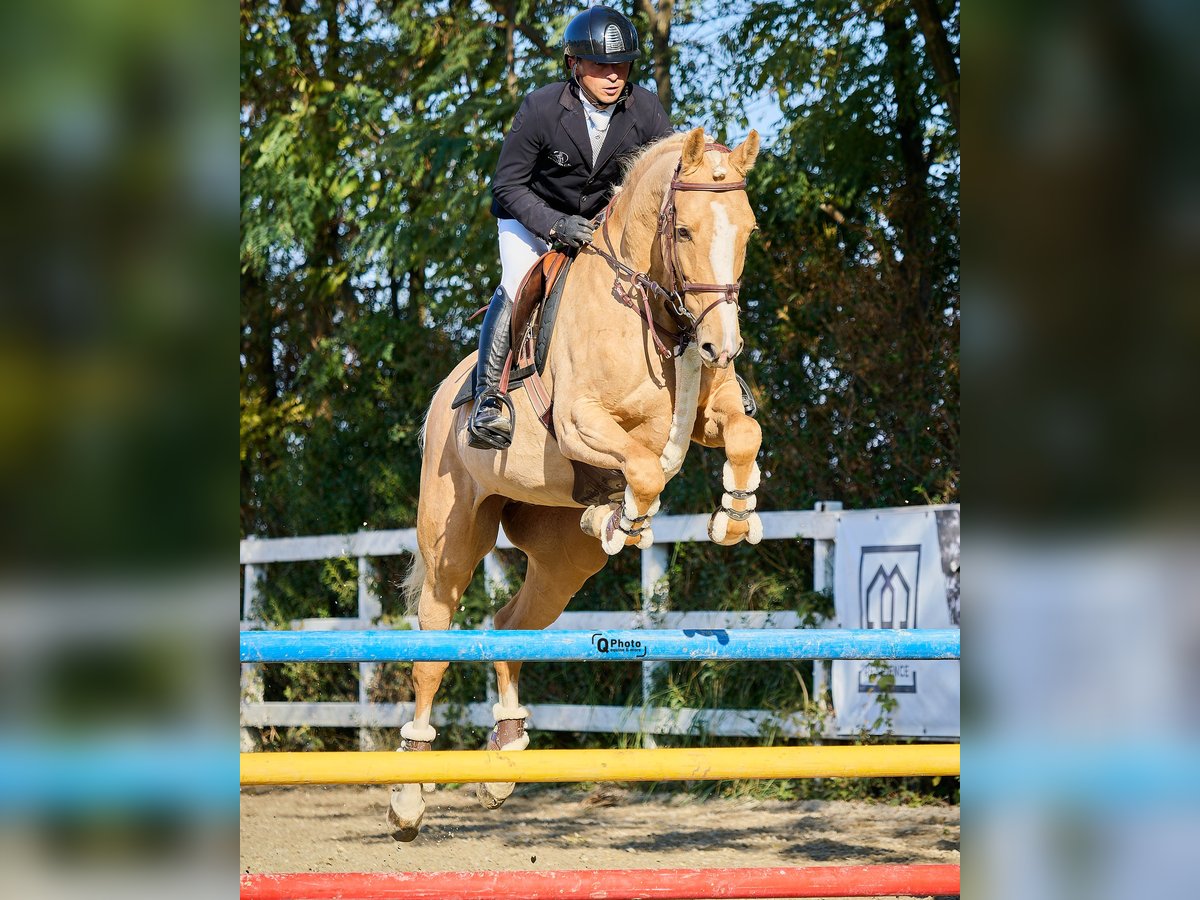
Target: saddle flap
{"type": "Point", "coordinates": [537, 283]}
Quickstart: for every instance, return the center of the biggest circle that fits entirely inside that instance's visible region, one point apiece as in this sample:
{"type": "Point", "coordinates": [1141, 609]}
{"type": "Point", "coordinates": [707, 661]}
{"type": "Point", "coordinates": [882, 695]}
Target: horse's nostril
{"type": "Point", "coordinates": [709, 350]}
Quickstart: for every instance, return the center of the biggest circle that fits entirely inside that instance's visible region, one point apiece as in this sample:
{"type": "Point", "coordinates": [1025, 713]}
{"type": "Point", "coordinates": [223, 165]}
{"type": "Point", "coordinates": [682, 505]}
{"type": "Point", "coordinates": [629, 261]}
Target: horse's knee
{"type": "Point", "coordinates": [743, 437]}
{"type": "Point", "coordinates": [645, 476]}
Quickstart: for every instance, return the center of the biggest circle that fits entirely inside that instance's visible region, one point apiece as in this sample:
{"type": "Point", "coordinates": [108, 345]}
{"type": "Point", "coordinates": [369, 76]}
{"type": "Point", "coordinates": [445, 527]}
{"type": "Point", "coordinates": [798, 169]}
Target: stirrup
{"type": "Point", "coordinates": [485, 437]}
{"type": "Point", "coordinates": [749, 406]}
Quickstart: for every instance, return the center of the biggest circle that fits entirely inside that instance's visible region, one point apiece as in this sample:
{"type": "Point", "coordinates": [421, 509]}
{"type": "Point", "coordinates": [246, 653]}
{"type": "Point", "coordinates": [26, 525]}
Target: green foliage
{"type": "Point", "coordinates": [369, 134]}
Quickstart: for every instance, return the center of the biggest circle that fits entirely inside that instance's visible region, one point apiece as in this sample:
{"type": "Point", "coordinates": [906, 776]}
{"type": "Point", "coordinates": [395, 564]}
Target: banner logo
{"type": "Point", "coordinates": [888, 578]}
{"type": "Point", "coordinates": [610, 646]}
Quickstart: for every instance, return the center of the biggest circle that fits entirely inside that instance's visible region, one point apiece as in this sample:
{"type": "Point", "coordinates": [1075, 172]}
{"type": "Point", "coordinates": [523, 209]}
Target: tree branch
{"type": "Point", "coordinates": [300, 31]}
{"type": "Point", "coordinates": [659, 18]}
{"type": "Point", "coordinates": [532, 36]}
{"type": "Point", "coordinates": [937, 45]}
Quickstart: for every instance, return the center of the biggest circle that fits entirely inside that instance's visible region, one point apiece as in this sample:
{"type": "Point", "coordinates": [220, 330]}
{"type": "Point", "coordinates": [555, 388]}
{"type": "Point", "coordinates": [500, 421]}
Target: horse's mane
{"type": "Point", "coordinates": [637, 165]}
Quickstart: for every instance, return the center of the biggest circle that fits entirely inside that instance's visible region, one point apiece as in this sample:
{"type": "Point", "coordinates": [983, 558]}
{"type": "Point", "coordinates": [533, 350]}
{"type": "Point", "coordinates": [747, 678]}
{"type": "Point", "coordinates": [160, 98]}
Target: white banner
{"type": "Point", "coordinates": [897, 568]}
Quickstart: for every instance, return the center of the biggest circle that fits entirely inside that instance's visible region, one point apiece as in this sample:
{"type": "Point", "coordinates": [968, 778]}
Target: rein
{"type": "Point", "coordinates": [641, 285]}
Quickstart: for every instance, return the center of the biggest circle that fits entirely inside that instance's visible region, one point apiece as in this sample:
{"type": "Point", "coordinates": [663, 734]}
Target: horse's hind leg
{"type": "Point", "coordinates": [453, 539]}
{"type": "Point", "coordinates": [561, 559]}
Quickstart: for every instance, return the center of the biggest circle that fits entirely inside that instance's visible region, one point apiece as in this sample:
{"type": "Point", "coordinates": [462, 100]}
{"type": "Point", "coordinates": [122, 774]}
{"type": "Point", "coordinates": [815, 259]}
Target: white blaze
{"type": "Point", "coordinates": [720, 255]}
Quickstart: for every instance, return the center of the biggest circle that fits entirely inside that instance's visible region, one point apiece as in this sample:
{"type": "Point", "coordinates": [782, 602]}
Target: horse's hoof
{"type": "Point", "coordinates": [718, 530]}
{"type": "Point", "coordinates": [404, 834]}
{"type": "Point", "coordinates": [493, 795]}
{"type": "Point", "coordinates": [405, 812]}
{"type": "Point", "coordinates": [594, 521]}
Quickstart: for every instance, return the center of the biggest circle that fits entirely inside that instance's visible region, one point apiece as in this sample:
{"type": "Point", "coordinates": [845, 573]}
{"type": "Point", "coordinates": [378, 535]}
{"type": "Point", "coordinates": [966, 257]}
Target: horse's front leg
{"type": "Point", "coordinates": [590, 434]}
{"type": "Point", "coordinates": [723, 422]}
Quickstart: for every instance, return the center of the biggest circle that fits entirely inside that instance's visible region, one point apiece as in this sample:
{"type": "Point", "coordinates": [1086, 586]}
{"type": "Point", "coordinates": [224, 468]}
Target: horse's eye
{"type": "Point", "coordinates": [683, 233]}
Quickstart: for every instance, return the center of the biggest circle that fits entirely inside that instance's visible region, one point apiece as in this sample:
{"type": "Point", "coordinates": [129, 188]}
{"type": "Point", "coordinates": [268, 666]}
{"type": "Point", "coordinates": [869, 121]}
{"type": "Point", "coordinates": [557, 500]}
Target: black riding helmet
{"type": "Point", "coordinates": [603, 35]}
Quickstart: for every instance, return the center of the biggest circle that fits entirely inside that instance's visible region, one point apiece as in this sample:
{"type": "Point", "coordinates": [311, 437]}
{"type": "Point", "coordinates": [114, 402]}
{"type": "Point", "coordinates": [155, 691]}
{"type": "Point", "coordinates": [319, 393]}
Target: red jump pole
{"type": "Point", "coordinates": [612, 884]}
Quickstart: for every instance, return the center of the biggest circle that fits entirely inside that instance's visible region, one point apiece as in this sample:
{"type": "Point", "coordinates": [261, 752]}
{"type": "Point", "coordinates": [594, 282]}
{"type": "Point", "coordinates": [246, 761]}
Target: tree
{"type": "Point", "coordinates": [370, 130]}
{"type": "Point", "coordinates": [855, 278]}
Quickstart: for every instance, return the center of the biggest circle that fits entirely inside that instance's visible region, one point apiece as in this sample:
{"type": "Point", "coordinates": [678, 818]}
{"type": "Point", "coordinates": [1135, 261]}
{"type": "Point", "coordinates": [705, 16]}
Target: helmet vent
{"type": "Point", "coordinates": [613, 42]}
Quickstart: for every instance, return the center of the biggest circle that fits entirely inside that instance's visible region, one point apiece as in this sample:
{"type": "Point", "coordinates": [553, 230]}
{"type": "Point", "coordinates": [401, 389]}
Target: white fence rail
{"type": "Point", "coordinates": [818, 525]}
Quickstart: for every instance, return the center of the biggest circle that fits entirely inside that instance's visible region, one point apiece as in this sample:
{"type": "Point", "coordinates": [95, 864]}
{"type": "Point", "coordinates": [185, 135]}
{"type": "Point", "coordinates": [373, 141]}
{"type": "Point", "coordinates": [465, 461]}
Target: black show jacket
{"type": "Point", "coordinates": [545, 169]}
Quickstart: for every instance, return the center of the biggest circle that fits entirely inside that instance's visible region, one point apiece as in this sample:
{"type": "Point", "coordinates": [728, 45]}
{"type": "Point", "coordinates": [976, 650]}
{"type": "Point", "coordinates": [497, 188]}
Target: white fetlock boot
{"type": "Point", "coordinates": [615, 523]}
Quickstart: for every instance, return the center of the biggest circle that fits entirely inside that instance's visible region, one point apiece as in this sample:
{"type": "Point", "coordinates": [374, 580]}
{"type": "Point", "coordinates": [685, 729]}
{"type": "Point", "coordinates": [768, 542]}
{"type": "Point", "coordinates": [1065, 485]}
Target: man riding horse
{"type": "Point", "coordinates": [557, 168]}
{"type": "Point", "coordinates": [642, 366]}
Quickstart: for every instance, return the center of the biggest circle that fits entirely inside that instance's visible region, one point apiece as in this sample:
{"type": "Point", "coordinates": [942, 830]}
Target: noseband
{"type": "Point", "coordinates": [673, 299]}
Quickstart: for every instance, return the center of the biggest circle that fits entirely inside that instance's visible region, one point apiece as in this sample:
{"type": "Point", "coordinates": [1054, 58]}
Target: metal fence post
{"type": "Point", "coordinates": [655, 598]}
{"type": "Point", "coordinates": [370, 610]}
{"type": "Point", "coordinates": [824, 557]}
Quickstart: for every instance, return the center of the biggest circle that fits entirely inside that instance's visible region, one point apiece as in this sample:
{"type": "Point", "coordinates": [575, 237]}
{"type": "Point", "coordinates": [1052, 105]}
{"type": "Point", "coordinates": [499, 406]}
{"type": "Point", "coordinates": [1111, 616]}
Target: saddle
{"type": "Point", "coordinates": [534, 311]}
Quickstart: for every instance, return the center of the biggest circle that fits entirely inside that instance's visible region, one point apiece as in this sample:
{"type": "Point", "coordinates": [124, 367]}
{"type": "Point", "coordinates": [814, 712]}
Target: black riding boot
{"type": "Point", "coordinates": [488, 427]}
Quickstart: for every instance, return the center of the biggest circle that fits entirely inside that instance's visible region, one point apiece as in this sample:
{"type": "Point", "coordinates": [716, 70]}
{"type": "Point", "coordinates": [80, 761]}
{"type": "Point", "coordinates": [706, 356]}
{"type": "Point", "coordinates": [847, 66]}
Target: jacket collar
{"type": "Point", "coordinates": [569, 98]}
{"type": "Point", "coordinates": [618, 128]}
{"type": "Point", "coordinates": [576, 126]}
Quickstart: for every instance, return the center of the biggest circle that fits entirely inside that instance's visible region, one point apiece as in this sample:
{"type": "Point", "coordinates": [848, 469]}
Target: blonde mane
{"type": "Point", "coordinates": [636, 167]}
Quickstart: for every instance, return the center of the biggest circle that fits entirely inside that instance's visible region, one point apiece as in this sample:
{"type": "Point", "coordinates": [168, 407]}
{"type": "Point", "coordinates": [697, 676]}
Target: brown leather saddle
{"type": "Point", "coordinates": [535, 309]}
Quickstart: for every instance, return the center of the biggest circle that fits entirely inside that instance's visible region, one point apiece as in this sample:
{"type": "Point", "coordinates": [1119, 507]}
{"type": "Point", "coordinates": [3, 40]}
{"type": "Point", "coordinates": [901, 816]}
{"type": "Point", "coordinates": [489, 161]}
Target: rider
{"type": "Point", "coordinates": [556, 172]}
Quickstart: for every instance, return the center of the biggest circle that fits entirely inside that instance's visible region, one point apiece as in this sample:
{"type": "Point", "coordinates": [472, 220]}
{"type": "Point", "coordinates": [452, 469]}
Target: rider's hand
{"type": "Point", "coordinates": [574, 231]}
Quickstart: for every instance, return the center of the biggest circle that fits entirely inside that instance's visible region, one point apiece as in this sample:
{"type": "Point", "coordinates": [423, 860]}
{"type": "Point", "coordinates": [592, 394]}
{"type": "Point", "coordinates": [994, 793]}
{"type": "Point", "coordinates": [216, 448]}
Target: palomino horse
{"type": "Point", "coordinates": [631, 388]}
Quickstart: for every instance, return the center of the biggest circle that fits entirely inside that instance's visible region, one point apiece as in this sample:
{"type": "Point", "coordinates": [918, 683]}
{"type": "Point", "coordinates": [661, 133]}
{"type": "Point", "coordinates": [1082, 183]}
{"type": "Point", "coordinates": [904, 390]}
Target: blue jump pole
{"type": "Point", "coordinates": [597, 646]}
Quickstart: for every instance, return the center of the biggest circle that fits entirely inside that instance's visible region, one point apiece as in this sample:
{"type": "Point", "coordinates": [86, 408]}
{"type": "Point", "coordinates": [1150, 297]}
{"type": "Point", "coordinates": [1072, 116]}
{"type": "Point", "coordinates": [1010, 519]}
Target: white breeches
{"type": "Point", "coordinates": [519, 250]}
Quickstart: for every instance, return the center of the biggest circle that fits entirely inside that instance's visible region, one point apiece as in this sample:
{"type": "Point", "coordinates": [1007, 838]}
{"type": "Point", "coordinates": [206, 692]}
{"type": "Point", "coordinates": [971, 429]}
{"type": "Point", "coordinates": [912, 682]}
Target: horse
{"type": "Point", "coordinates": [630, 387]}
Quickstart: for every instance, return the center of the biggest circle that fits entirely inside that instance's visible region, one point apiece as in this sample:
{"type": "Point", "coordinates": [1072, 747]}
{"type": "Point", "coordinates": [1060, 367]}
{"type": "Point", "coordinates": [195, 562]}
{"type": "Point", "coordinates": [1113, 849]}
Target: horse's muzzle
{"type": "Point", "coordinates": [716, 358]}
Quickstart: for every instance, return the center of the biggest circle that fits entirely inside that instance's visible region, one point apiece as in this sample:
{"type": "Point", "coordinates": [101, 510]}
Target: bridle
{"type": "Point", "coordinates": [673, 299]}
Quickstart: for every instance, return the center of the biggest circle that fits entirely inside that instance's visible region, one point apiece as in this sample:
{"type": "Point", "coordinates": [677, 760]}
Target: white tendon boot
{"type": "Point", "coordinates": [407, 806]}
{"type": "Point", "coordinates": [613, 523]}
{"type": "Point", "coordinates": [509, 735]}
{"type": "Point", "coordinates": [718, 523]}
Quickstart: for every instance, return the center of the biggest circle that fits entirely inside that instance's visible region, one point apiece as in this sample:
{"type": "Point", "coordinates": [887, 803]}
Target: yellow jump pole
{"type": "Point", "coordinates": [693, 764]}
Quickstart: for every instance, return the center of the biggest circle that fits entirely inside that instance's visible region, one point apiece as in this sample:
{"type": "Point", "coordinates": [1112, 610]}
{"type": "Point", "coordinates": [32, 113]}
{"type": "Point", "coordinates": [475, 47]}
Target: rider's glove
{"type": "Point", "coordinates": [574, 231]}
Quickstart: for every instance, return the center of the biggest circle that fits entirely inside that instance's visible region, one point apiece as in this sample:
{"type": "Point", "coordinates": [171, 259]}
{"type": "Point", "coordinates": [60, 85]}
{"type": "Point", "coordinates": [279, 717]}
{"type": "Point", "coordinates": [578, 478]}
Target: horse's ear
{"type": "Point", "coordinates": [743, 157]}
{"type": "Point", "coordinates": [693, 150]}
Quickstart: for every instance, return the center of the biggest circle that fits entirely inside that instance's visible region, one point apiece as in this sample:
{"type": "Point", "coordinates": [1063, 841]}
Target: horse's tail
{"type": "Point", "coordinates": [416, 571]}
{"type": "Point", "coordinates": [413, 582]}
